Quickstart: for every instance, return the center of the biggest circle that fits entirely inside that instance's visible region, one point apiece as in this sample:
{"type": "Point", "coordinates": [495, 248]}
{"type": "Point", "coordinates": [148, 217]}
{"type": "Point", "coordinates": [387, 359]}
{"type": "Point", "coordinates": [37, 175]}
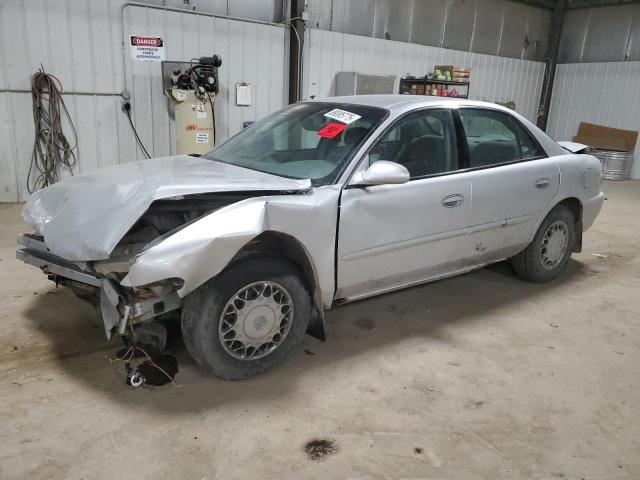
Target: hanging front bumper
{"type": "Point", "coordinates": [34, 252]}
{"type": "Point", "coordinates": [120, 307]}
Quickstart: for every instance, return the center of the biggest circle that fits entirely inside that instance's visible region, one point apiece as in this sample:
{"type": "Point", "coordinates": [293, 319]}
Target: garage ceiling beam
{"type": "Point", "coordinates": [546, 4]}
{"type": "Point", "coordinates": [574, 4]}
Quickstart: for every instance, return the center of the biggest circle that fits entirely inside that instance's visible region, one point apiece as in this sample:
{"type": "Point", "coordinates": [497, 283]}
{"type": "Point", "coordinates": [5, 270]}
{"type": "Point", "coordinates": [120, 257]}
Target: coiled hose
{"type": "Point", "coordinates": [52, 151]}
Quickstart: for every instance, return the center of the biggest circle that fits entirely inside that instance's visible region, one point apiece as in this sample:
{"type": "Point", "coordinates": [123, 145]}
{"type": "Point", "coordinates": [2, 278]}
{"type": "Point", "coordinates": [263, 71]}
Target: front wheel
{"type": "Point", "coordinates": [550, 251]}
{"type": "Point", "coordinates": [248, 319]}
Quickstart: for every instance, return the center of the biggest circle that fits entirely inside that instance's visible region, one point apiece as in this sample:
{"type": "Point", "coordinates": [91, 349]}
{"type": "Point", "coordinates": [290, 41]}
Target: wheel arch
{"type": "Point", "coordinates": [272, 243]}
{"type": "Point", "coordinates": [575, 206]}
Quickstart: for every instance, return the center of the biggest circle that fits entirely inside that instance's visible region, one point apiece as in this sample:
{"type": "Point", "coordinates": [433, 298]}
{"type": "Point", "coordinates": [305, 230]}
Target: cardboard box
{"type": "Point", "coordinates": [460, 79]}
{"type": "Point", "coordinates": [452, 68]}
{"type": "Point", "coordinates": [606, 138]}
{"type": "Point", "coordinates": [456, 73]}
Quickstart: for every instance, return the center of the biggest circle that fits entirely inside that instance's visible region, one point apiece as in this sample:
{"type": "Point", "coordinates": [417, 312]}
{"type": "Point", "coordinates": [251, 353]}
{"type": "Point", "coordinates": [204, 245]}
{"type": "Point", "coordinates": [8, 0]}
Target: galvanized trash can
{"type": "Point", "coordinates": [615, 165]}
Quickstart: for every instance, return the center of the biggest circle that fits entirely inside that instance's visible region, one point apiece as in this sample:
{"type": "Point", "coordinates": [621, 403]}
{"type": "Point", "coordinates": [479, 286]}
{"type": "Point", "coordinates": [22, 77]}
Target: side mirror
{"type": "Point", "coordinates": [382, 172]}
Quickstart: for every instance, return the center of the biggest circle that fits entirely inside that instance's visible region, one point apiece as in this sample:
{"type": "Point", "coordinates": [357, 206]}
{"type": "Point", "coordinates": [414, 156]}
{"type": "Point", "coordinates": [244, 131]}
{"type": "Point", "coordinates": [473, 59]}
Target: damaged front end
{"type": "Point", "coordinates": [125, 308]}
{"type": "Point", "coordinates": [92, 228]}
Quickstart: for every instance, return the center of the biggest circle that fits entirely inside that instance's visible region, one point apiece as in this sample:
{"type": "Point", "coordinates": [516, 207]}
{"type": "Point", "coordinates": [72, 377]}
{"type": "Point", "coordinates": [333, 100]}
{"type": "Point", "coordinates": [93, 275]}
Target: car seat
{"type": "Point", "coordinates": [426, 156]}
{"type": "Point", "coordinates": [491, 153]}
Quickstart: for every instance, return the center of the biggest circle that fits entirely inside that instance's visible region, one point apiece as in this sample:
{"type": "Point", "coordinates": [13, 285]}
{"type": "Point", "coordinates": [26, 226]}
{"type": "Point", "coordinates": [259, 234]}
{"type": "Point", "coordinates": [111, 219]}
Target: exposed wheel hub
{"type": "Point", "coordinates": [255, 320]}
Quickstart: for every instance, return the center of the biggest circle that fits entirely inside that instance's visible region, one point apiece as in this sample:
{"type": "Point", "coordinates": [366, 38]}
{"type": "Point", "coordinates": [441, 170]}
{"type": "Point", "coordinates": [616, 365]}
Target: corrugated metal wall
{"type": "Point", "coordinates": [495, 79]}
{"type": "Point", "coordinates": [602, 34]}
{"type": "Point", "coordinates": [80, 41]}
{"type": "Point", "coordinates": [604, 93]}
{"type": "Point", "coordinates": [263, 10]}
{"type": "Point", "coordinates": [494, 27]}
{"type": "Point", "coordinates": [251, 52]}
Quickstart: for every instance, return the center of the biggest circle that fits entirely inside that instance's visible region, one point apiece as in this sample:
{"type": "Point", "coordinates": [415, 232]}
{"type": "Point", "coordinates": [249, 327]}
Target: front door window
{"type": "Point", "coordinates": [423, 142]}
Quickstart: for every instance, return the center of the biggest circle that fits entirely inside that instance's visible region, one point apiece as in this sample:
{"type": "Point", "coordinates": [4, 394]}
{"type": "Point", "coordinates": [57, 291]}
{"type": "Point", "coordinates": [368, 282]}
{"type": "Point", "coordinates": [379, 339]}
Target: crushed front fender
{"type": "Point", "coordinates": [205, 247]}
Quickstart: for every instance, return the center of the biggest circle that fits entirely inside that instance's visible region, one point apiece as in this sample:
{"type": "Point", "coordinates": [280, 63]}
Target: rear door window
{"type": "Point", "coordinates": [495, 138]}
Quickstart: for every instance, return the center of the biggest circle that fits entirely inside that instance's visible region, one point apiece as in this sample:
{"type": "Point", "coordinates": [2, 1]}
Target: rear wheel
{"type": "Point", "coordinates": [550, 251]}
{"type": "Point", "coordinates": [248, 319]}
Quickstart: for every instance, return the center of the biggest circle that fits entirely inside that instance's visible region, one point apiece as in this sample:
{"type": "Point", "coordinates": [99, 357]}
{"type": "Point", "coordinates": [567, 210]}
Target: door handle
{"type": "Point", "coordinates": [542, 183]}
{"type": "Point", "coordinates": [454, 200]}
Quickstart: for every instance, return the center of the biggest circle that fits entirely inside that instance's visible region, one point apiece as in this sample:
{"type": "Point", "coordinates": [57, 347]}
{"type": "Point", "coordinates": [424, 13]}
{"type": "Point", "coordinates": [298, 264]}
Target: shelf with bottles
{"type": "Point", "coordinates": [433, 87]}
{"type": "Point", "coordinates": [444, 81]}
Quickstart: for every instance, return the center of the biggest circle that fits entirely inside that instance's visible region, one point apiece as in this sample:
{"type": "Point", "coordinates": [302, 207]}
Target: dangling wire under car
{"type": "Point", "coordinates": [52, 151]}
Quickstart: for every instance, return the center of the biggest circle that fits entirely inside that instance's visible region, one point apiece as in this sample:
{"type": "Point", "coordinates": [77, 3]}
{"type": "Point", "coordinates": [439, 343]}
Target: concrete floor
{"type": "Point", "coordinates": [479, 376]}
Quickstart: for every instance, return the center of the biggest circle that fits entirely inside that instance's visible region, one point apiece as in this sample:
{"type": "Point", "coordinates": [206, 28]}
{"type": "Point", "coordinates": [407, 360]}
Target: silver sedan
{"type": "Point", "coordinates": [321, 203]}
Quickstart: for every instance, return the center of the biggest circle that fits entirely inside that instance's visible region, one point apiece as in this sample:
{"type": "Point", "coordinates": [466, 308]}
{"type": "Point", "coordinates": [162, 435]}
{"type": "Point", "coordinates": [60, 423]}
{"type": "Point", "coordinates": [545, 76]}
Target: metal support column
{"type": "Point", "coordinates": [551, 60]}
{"type": "Point", "coordinates": [296, 40]}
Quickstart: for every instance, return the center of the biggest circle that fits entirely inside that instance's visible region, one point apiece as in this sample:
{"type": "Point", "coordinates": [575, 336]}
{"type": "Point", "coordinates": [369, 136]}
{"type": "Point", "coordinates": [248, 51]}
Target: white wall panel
{"type": "Point", "coordinates": [251, 52]}
{"type": "Point", "coordinates": [80, 41]}
{"type": "Point", "coordinates": [494, 79]}
{"type": "Point", "coordinates": [603, 93]}
{"type": "Point", "coordinates": [8, 172]}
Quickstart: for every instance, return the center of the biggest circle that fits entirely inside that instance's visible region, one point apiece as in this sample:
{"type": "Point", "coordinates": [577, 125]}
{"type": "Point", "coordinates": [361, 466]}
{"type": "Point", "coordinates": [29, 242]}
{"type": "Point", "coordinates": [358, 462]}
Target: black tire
{"type": "Point", "coordinates": [528, 264]}
{"type": "Point", "coordinates": [202, 310]}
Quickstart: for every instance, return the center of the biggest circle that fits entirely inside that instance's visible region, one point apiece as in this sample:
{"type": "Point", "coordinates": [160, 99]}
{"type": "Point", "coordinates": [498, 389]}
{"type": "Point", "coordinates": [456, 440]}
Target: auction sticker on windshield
{"type": "Point", "coordinates": [342, 116]}
{"type": "Point", "coordinates": [330, 130]}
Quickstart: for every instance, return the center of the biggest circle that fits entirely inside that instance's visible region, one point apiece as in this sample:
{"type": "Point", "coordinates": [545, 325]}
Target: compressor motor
{"type": "Point", "coordinates": [193, 92]}
{"type": "Point", "coordinates": [202, 76]}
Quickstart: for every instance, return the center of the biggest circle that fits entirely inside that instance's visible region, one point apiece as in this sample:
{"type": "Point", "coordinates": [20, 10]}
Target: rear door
{"type": "Point", "coordinates": [512, 182]}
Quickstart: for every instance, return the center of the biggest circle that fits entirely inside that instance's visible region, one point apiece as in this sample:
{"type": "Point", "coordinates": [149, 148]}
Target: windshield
{"type": "Point", "coordinates": [306, 140]}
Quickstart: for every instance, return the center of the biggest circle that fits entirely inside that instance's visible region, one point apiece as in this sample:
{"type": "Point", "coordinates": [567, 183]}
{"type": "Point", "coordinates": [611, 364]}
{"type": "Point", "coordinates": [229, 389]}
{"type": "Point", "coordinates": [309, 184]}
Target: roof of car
{"type": "Point", "coordinates": [388, 101]}
{"type": "Point", "coordinates": [399, 104]}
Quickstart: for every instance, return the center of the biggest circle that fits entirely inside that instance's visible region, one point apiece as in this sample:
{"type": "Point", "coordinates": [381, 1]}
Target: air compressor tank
{"type": "Point", "coordinates": [194, 121]}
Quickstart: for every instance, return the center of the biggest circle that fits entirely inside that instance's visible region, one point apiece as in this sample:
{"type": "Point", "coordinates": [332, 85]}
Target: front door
{"type": "Point", "coordinates": [395, 235]}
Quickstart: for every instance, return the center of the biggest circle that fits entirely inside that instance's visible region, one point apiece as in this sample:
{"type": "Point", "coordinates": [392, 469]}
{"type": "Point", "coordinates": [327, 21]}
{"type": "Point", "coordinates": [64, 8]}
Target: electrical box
{"type": "Point", "coordinates": [354, 83]}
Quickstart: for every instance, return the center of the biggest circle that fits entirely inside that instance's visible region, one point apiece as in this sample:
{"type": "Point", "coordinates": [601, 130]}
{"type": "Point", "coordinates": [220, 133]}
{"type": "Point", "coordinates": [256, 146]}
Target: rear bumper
{"type": "Point", "coordinates": [120, 308]}
{"type": "Point", "coordinates": [590, 210]}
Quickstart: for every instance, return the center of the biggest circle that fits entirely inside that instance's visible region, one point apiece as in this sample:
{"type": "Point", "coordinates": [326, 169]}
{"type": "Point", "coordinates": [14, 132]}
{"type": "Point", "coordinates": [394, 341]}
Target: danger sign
{"type": "Point", "coordinates": [147, 49]}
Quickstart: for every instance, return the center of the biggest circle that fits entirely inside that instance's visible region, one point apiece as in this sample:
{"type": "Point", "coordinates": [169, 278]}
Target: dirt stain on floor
{"type": "Point", "coordinates": [366, 323]}
{"type": "Point", "coordinates": [317, 449]}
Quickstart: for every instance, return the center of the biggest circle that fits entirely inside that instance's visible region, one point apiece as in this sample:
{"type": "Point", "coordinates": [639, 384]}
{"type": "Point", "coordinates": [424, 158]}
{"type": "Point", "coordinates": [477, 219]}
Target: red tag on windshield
{"type": "Point", "coordinates": [330, 130]}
